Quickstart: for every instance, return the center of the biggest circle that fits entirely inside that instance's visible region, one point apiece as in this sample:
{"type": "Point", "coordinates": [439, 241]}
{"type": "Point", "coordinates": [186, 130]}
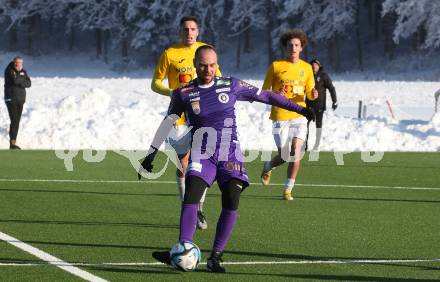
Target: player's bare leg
{"type": "Point", "coordinates": [269, 166]}
{"type": "Point", "coordinates": [293, 168]}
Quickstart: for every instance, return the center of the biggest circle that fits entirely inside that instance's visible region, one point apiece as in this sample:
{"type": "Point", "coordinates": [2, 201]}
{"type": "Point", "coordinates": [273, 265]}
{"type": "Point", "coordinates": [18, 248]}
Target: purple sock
{"type": "Point", "coordinates": [225, 225]}
{"type": "Point", "coordinates": [188, 222]}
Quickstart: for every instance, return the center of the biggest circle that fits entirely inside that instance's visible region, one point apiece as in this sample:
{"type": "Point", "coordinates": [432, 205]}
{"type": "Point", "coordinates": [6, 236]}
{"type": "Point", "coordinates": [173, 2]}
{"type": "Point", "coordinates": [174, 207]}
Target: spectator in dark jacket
{"type": "Point", "coordinates": [16, 82]}
{"type": "Point", "coordinates": [322, 83]}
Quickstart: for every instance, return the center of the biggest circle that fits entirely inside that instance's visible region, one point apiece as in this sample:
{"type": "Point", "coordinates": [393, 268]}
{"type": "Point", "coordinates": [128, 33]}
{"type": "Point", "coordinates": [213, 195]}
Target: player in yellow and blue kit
{"type": "Point", "coordinates": [295, 78]}
{"type": "Point", "coordinates": [176, 65]}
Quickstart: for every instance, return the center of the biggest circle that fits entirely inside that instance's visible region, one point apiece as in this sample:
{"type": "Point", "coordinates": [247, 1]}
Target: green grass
{"type": "Point", "coordinates": [125, 221]}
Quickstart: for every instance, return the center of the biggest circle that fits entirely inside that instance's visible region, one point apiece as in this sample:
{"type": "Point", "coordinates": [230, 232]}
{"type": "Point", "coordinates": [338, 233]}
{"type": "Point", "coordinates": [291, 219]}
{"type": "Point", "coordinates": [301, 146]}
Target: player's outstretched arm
{"type": "Point", "coordinates": [280, 101]}
{"type": "Point", "coordinates": [159, 137]}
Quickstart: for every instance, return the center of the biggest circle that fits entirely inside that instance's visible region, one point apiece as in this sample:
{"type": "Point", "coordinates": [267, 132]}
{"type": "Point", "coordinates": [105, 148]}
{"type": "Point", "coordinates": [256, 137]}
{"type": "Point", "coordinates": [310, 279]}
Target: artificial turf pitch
{"type": "Point", "coordinates": [377, 212]}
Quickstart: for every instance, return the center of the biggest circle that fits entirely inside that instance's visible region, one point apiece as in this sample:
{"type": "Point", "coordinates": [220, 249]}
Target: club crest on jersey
{"type": "Point", "coordinates": [301, 73]}
{"type": "Point", "coordinates": [195, 105]}
{"type": "Point", "coordinates": [223, 98]}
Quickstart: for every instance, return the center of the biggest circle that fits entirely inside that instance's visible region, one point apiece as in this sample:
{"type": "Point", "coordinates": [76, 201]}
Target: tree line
{"type": "Point", "coordinates": [119, 29]}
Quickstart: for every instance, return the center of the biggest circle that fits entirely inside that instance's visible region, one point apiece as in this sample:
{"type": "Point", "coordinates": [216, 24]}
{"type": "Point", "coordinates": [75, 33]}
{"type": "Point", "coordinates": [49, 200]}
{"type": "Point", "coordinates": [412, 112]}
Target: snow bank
{"type": "Point", "coordinates": [123, 113]}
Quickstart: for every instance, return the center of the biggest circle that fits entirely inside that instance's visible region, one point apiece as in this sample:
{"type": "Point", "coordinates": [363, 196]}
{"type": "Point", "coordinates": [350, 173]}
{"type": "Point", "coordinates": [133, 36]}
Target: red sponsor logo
{"type": "Point", "coordinates": [185, 78]}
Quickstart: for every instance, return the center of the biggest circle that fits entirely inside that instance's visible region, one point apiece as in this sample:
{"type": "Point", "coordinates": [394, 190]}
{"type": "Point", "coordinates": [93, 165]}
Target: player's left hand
{"type": "Point", "coordinates": [309, 113]}
{"type": "Point", "coordinates": [282, 91]}
{"type": "Point", "coordinates": [315, 94]}
{"type": "Point", "coordinates": [334, 105]}
{"type": "Point", "coordinates": [147, 163]}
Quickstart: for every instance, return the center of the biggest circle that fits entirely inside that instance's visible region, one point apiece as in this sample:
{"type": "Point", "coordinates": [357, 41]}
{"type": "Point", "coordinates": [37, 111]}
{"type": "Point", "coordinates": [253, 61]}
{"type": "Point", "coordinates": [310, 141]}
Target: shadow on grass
{"type": "Point", "coordinates": [315, 277]}
{"type": "Point", "coordinates": [370, 199]}
{"type": "Point", "coordinates": [419, 267]}
{"type": "Point", "coordinates": [24, 261]}
{"type": "Point", "coordinates": [92, 223]}
{"type": "Point", "coordinates": [279, 198]}
{"type": "Point", "coordinates": [18, 190]}
{"type": "Point", "coordinates": [136, 270]}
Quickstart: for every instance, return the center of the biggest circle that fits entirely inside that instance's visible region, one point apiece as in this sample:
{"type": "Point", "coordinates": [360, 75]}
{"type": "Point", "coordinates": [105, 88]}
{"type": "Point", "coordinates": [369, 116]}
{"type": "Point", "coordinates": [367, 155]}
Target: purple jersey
{"type": "Point", "coordinates": [210, 112]}
{"type": "Point", "coordinates": [211, 106]}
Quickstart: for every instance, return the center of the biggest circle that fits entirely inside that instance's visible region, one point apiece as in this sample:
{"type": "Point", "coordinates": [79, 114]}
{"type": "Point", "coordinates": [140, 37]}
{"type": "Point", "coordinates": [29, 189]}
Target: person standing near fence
{"type": "Point", "coordinates": [16, 82]}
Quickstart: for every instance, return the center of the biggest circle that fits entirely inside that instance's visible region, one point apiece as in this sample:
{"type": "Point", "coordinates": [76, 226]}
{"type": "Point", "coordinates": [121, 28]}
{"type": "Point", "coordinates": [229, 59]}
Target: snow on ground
{"type": "Point", "coordinates": [123, 113]}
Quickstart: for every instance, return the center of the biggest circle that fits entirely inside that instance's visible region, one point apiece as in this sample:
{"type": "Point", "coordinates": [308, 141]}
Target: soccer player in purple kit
{"type": "Point", "coordinates": [209, 104]}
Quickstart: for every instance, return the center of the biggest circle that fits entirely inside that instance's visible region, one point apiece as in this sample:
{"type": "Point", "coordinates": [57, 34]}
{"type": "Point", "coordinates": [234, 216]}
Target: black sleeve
{"type": "Point", "coordinates": [26, 80]}
{"type": "Point", "coordinates": [10, 76]}
{"type": "Point", "coordinates": [329, 85]}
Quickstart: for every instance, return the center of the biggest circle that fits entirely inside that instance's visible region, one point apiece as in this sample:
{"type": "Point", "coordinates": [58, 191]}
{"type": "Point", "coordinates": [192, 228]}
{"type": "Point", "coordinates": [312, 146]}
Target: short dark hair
{"type": "Point", "coordinates": [202, 48]}
{"type": "Point", "coordinates": [315, 61]}
{"type": "Point", "coordinates": [294, 33]}
{"type": "Point", "coordinates": [189, 19]}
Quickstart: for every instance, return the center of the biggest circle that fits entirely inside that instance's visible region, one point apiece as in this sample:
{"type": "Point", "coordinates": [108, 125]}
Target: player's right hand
{"type": "Point", "coordinates": [309, 113]}
{"type": "Point", "coordinates": [147, 163]}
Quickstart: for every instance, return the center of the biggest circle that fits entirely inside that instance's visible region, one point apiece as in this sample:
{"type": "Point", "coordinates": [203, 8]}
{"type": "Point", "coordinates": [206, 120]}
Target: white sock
{"type": "Point", "coordinates": [267, 166]}
{"type": "Point", "coordinates": [202, 200]}
{"type": "Point", "coordinates": [288, 186]}
{"type": "Point", "coordinates": [181, 185]}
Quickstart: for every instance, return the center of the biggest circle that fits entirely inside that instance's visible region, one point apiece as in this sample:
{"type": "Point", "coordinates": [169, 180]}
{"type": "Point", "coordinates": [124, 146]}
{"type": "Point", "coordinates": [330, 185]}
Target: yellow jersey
{"type": "Point", "coordinates": [297, 80]}
{"type": "Point", "coordinates": [176, 64]}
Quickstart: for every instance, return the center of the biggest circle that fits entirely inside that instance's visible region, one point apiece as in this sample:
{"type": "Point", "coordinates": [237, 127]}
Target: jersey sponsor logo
{"type": "Point", "coordinates": [288, 81]}
{"type": "Point", "coordinates": [223, 82]}
{"type": "Point", "coordinates": [184, 69]}
{"type": "Point", "coordinates": [291, 81]}
{"type": "Point", "coordinates": [224, 89]}
{"type": "Point", "coordinates": [291, 90]}
{"type": "Point", "coordinates": [186, 89]}
{"type": "Point", "coordinates": [195, 166]}
{"type": "Point", "coordinates": [185, 78]}
{"type": "Point", "coordinates": [232, 167]}
{"type": "Point", "coordinates": [194, 94]}
{"type": "Point", "coordinates": [195, 105]}
{"type": "Point", "coordinates": [223, 98]}
{"type": "Point", "coordinates": [247, 85]}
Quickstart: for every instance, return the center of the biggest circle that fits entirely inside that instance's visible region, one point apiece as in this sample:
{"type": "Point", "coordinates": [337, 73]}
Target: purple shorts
{"type": "Point", "coordinates": [220, 169]}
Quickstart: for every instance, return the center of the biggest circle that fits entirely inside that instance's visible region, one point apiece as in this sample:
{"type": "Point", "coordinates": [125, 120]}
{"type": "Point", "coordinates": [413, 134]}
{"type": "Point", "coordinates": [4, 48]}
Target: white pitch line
{"type": "Point", "coordinates": [348, 261]}
{"type": "Point", "coordinates": [50, 260]}
{"type": "Point", "coordinates": [252, 183]}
